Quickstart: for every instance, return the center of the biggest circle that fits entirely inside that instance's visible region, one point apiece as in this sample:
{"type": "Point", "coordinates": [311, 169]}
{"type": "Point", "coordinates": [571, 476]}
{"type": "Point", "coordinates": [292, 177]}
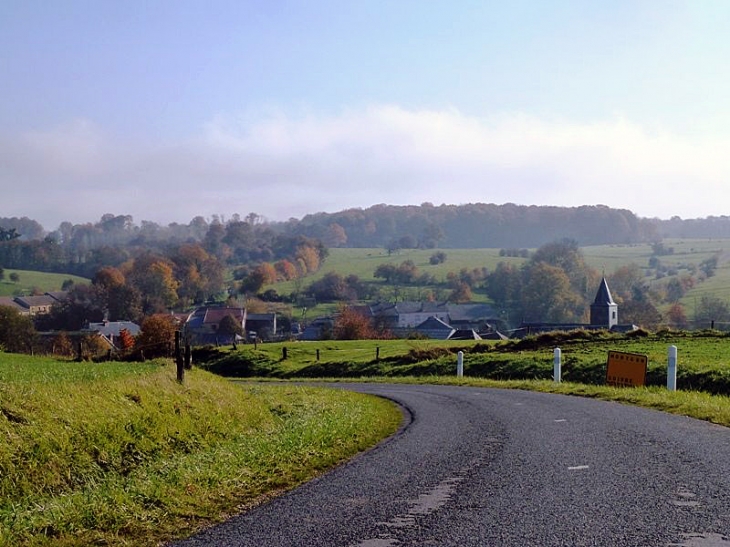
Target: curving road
{"type": "Point", "coordinates": [486, 467]}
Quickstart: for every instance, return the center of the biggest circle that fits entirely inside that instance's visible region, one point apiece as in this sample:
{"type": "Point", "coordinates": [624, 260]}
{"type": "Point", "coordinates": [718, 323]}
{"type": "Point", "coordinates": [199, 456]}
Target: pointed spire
{"type": "Point", "coordinates": [603, 296]}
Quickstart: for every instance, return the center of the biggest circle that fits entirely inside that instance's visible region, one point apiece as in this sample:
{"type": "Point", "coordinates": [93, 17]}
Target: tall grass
{"type": "Point", "coordinates": [137, 458]}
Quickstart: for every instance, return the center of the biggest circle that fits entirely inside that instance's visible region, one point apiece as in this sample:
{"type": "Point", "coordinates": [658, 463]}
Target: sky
{"type": "Point", "coordinates": [168, 110]}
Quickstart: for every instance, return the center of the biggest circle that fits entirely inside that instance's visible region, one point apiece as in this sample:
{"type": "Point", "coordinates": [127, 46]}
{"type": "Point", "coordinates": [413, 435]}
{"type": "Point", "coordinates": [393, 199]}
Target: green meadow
{"type": "Point", "coordinates": [30, 282]}
{"type": "Point", "coordinates": [704, 358]}
{"type": "Point", "coordinates": [686, 253]}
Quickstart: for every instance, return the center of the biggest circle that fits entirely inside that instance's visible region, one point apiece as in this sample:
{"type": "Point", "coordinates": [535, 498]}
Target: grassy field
{"type": "Point", "coordinates": [119, 454]}
{"type": "Point", "coordinates": [30, 281]}
{"type": "Point", "coordinates": [604, 258]}
{"type": "Point", "coordinates": [122, 454]}
{"type": "Point", "coordinates": [704, 358]}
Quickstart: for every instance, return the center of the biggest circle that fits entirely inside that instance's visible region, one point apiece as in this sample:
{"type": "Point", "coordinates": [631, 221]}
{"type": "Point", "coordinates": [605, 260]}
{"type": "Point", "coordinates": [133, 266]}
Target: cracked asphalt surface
{"type": "Point", "coordinates": [489, 467]}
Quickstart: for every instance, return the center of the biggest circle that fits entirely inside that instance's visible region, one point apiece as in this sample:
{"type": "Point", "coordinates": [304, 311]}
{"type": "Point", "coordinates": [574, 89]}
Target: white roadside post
{"type": "Point", "coordinates": [460, 364]}
{"type": "Point", "coordinates": [672, 369]}
{"type": "Point", "coordinates": [556, 365]}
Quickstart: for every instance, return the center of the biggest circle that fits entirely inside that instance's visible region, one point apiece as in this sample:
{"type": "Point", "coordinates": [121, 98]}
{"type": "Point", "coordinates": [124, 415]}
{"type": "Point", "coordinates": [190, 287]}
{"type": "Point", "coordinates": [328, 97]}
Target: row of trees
{"type": "Point", "coordinates": [85, 248]}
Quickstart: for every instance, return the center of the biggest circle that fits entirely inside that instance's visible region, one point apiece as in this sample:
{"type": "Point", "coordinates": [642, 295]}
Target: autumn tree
{"type": "Point", "coordinates": [199, 274]}
{"type": "Point", "coordinates": [153, 276]}
{"type": "Point", "coordinates": [285, 270]}
{"type": "Point", "coordinates": [677, 317]}
{"type": "Point", "coordinates": [125, 340]}
{"type": "Point", "coordinates": [461, 293]}
{"type": "Point", "coordinates": [156, 336]}
{"type": "Point", "coordinates": [62, 345]}
{"type": "Point", "coordinates": [352, 325]}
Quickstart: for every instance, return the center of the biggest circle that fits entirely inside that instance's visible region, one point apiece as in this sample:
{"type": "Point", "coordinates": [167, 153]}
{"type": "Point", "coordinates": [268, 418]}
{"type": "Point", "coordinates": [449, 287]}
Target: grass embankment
{"type": "Point", "coordinates": [122, 454]}
{"type": "Point", "coordinates": [703, 372]}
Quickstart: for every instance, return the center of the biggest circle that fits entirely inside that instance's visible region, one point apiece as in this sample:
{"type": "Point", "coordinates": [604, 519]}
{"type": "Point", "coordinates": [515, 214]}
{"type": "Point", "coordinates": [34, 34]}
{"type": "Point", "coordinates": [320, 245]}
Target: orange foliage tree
{"type": "Point", "coordinates": [353, 325]}
{"type": "Point", "coordinates": [156, 337]}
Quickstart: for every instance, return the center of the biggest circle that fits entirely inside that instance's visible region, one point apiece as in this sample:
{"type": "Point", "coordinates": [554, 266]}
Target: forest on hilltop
{"type": "Point", "coordinates": [475, 225]}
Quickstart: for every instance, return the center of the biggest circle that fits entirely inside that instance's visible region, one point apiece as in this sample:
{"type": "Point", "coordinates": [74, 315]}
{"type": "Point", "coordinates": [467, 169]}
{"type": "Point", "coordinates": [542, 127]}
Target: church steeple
{"type": "Point", "coordinates": [604, 311]}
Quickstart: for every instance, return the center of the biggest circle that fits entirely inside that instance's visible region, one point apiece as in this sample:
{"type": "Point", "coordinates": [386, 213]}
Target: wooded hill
{"type": "Point", "coordinates": [486, 225]}
{"type": "Point", "coordinates": [475, 225]}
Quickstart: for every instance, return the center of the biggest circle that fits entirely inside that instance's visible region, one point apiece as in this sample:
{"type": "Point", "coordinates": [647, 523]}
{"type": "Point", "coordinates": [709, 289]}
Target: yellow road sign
{"type": "Point", "coordinates": [626, 369]}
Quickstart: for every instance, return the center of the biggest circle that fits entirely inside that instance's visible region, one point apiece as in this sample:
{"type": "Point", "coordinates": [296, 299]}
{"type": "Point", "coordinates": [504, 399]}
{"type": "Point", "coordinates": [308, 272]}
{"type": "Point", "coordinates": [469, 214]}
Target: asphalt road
{"type": "Point", "coordinates": [485, 467]}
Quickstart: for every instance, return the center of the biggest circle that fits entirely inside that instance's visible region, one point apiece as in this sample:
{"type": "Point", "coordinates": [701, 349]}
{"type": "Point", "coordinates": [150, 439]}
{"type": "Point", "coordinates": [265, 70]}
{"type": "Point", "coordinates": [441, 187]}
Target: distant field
{"type": "Point", "coordinates": [604, 258]}
{"type": "Point", "coordinates": [29, 281]}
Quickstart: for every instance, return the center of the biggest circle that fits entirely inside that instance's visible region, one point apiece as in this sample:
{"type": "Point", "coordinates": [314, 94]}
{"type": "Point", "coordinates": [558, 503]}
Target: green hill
{"type": "Point", "coordinates": [30, 282]}
{"type": "Point", "coordinates": [679, 257]}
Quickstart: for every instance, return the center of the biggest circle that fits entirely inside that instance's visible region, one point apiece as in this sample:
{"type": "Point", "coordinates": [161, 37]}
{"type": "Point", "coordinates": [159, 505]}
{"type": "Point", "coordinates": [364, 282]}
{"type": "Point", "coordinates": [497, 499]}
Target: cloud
{"type": "Point", "coordinates": [281, 166]}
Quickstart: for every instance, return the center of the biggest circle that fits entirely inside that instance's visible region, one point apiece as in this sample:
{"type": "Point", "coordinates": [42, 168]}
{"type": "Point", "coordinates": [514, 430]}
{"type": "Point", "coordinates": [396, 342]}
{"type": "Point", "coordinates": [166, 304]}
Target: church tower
{"type": "Point", "coordinates": [604, 311]}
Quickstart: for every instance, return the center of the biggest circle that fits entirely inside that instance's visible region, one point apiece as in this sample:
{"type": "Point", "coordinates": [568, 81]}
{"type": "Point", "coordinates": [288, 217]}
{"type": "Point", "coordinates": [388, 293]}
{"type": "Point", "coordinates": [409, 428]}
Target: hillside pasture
{"type": "Point", "coordinates": [30, 281]}
{"type": "Point", "coordinates": [685, 254]}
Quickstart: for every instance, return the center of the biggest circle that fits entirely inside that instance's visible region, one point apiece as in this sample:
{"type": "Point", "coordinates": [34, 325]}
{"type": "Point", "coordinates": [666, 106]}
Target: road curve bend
{"type": "Point", "coordinates": [489, 467]}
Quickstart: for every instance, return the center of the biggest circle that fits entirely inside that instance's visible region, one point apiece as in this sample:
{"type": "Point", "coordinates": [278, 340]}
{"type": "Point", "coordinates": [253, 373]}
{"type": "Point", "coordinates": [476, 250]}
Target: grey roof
{"type": "Point", "coordinates": [465, 334]}
{"type": "Point", "coordinates": [434, 328]}
{"type": "Point", "coordinates": [113, 328]}
{"type": "Point", "coordinates": [603, 296]}
{"type": "Point", "coordinates": [10, 302]}
{"type": "Point", "coordinates": [40, 300]}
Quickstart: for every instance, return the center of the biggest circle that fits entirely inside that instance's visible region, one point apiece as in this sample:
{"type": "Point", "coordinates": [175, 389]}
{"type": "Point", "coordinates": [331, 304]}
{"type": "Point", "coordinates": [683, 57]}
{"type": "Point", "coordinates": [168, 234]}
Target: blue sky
{"type": "Point", "coordinates": [168, 110]}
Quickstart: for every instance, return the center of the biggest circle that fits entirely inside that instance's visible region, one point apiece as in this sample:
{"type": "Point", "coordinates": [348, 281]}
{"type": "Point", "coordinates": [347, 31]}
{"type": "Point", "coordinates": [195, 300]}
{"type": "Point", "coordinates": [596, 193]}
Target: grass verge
{"type": "Point", "coordinates": [135, 458]}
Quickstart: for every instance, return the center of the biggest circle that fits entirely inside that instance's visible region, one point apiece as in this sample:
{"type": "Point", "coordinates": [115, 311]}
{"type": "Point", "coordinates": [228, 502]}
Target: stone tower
{"type": "Point", "coordinates": [604, 311]}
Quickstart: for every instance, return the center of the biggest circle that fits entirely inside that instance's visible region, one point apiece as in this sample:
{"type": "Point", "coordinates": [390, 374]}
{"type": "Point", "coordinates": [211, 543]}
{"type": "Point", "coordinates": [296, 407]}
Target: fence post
{"type": "Point", "coordinates": [460, 364]}
{"type": "Point", "coordinates": [672, 369]}
{"type": "Point", "coordinates": [188, 357]}
{"type": "Point", "coordinates": [317, 354]}
{"type": "Point", "coordinates": [179, 359]}
{"type": "Point", "coordinates": [557, 372]}
{"type": "Point", "coordinates": [377, 353]}
{"type": "Point", "coordinates": [283, 353]}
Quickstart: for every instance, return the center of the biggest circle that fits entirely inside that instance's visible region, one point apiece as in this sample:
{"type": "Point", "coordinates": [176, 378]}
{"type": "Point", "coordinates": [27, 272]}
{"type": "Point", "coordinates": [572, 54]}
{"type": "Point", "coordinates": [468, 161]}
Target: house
{"type": "Point", "coordinates": [34, 305]}
{"type": "Point", "coordinates": [261, 326]}
{"type": "Point", "coordinates": [202, 326]}
{"type": "Point", "coordinates": [319, 329]}
{"type": "Point", "coordinates": [408, 315]}
{"type": "Point", "coordinates": [435, 328]}
{"type": "Point", "coordinates": [404, 317]}
{"type": "Point", "coordinates": [10, 302]}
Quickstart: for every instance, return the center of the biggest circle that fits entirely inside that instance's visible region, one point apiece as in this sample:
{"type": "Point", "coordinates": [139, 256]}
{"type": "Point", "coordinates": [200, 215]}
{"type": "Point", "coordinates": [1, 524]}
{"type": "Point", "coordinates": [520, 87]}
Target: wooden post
{"type": "Point", "coordinates": [179, 359]}
{"type": "Point", "coordinates": [188, 357]}
{"type": "Point", "coordinates": [283, 353]}
{"type": "Point", "coordinates": [80, 351]}
{"type": "Point", "coordinates": [317, 354]}
{"type": "Point", "coordinates": [377, 353]}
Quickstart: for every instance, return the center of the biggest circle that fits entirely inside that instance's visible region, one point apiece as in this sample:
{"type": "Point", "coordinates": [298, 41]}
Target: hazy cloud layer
{"type": "Point", "coordinates": [282, 166]}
